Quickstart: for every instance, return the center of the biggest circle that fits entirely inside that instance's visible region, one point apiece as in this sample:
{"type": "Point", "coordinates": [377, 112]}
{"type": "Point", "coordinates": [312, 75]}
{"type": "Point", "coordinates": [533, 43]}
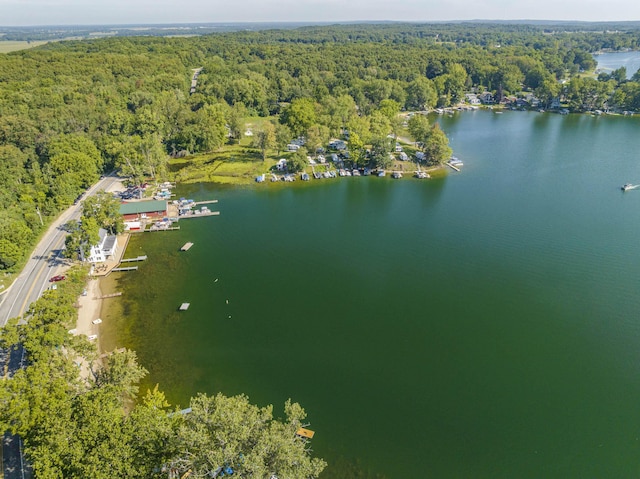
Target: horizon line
{"type": "Point", "coordinates": [327, 22]}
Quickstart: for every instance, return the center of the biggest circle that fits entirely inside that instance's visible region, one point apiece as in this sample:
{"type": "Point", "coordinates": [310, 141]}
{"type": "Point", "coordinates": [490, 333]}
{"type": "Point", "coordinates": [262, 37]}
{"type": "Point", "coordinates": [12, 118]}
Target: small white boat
{"type": "Point", "coordinates": [629, 186]}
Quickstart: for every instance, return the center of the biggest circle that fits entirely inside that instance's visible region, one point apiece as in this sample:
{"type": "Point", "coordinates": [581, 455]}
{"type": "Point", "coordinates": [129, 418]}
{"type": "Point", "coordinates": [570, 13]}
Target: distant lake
{"type": "Point", "coordinates": [481, 325]}
{"type": "Point", "coordinates": [608, 62]}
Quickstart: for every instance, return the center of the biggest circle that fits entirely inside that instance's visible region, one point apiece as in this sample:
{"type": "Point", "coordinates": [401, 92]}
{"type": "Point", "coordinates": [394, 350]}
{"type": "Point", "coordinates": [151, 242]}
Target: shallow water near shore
{"type": "Point", "coordinates": [484, 324]}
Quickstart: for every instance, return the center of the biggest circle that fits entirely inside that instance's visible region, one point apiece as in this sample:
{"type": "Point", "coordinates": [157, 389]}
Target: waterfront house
{"type": "Point", "coordinates": [472, 99]}
{"type": "Point", "coordinates": [486, 98]}
{"type": "Point", "coordinates": [105, 249]}
{"type": "Point", "coordinates": [281, 165]}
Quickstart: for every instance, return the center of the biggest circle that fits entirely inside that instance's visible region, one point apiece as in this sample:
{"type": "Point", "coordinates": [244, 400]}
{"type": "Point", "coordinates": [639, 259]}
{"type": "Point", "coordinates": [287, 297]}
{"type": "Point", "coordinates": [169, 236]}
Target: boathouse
{"type": "Point", "coordinates": [143, 210]}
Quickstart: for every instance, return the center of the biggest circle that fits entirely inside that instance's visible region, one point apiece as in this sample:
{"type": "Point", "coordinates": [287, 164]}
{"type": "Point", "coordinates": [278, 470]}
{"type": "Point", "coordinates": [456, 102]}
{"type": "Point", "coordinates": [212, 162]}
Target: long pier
{"type": "Point", "coordinates": [139, 258]}
{"type": "Point", "coordinates": [170, 228]}
{"type": "Point", "coordinates": [454, 167]}
{"type": "Point", "coordinates": [200, 215]}
{"type": "Point", "coordinates": [127, 268]}
{"type": "Point", "coordinates": [207, 202]}
{"type": "Point", "coordinates": [112, 295]}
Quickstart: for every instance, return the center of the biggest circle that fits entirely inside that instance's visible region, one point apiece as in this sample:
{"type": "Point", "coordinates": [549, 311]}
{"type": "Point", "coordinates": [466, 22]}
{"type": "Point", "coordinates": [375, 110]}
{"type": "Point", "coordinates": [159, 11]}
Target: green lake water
{"type": "Point", "coordinates": [480, 325]}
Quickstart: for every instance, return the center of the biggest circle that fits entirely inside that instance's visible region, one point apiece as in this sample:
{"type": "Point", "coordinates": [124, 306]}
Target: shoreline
{"type": "Point", "coordinates": [90, 309]}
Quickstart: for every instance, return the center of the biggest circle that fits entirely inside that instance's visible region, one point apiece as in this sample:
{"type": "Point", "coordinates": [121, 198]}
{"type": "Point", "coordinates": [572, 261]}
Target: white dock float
{"type": "Point", "coordinates": [186, 247]}
{"type": "Point", "coordinates": [184, 306]}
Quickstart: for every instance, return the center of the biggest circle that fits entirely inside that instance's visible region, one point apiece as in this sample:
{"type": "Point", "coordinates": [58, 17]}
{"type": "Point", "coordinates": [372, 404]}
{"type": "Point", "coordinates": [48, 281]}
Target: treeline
{"type": "Point", "coordinates": [71, 110]}
{"type": "Point", "coordinates": [76, 418]}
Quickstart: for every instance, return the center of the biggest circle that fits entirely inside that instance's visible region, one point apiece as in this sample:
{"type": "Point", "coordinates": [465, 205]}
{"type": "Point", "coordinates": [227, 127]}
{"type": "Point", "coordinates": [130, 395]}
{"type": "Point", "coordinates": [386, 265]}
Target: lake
{"type": "Point", "coordinates": [607, 62]}
{"type": "Point", "coordinates": [484, 324]}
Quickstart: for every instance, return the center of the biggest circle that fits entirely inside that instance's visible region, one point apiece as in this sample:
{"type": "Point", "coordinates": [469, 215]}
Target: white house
{"type": "Point", "coordinates": [282, 164]}
{"type": "Point", "coordinates": [105, 249]}
{"type": "Point", "coordinates": [472, 99]}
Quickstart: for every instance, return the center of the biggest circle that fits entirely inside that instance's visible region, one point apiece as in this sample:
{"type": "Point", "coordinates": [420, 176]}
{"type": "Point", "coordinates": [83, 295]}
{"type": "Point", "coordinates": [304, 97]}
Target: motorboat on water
{"type": "Point", "coordinates": [628, 186]}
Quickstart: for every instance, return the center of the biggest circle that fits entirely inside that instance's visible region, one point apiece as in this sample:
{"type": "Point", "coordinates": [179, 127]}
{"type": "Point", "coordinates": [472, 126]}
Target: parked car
{"type": "Point", "coordinates": [56, 278]}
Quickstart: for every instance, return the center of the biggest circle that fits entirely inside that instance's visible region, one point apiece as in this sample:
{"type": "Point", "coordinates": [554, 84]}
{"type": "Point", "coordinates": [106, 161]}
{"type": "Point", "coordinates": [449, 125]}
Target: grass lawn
{"type": "Point", "coordinates": [233, 164]}
{"type": "Point", "coordinates": [13, 46]}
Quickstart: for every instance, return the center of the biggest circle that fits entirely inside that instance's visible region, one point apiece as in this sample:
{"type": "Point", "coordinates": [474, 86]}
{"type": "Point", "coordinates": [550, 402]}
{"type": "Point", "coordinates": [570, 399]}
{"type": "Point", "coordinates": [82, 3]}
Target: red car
{"type": "Point", "coordinates": [59, 277]}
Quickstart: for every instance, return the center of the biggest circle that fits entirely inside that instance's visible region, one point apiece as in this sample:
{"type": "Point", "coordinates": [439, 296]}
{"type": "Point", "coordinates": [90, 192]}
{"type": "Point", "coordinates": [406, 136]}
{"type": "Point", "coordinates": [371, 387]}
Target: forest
{"type": "Point", "coordinates": [73, 110]}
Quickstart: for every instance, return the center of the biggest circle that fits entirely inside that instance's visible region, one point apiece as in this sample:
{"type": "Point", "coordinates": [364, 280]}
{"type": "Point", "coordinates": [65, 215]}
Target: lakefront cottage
{"type": "Point", "coordinates": [106, 248]}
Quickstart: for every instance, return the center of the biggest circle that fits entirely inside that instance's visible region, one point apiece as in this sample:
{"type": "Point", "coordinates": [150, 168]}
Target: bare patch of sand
{"type": "Point", "coordinates": [89, 311]}
{"type": "Point", "coordinates": [116, 186]}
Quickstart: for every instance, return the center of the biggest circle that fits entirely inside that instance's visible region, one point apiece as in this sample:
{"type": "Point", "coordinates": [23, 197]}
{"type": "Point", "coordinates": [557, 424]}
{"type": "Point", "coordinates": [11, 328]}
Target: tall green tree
{"type": "Point", "coordinates": [300, 115]}
{"type": "Point", "coordinates": [381, 149]}
{"type": "Point", "coordinates": [223, 431]}
{"type": "Point", "coordinates": [264, 139]}
{"type": "Point", "coordinates": [105, 208]}
{"type": "Point", "coordinates": [436, 147]}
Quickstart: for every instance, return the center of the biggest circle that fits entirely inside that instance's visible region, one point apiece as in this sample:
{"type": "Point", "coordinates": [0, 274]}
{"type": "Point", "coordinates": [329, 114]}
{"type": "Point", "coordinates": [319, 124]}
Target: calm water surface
{"type": "Point", "coordinates": [608, 62]}
{"type": "Point", "coordinates": [480, 325]}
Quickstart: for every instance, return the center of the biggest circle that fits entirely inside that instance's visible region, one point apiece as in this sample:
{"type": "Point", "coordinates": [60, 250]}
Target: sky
{"type": "Point", "coordinates": [101, 12]}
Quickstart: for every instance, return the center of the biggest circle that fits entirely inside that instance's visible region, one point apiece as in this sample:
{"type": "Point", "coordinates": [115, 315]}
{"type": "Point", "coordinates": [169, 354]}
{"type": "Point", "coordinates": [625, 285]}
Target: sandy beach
{"type": "Point", "coordinates": [90, 307]}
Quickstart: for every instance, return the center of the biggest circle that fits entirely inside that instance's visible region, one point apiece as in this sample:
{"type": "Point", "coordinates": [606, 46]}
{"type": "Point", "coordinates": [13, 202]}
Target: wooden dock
{"type": "Point", "coordinates": [305, 433]}
{"type": "Point", "coordinates": [139, 258]}
{"type": "Point", "coordinates": [127, 268]}
{"type": "Point", "coordinates": [170, 228]}
{"type": "Point", "coordinates": [112, 295]}
{"type": "Point", "coordinates": [200, 215]}
{"type": "Point", "coordinates": [186, 247]}
{"type": "Point", "coordinates": [184, 306]}
{"type": "Point", "coordinates": [454, 167]}
{"type": "Point", "coordinates": [208, 202]}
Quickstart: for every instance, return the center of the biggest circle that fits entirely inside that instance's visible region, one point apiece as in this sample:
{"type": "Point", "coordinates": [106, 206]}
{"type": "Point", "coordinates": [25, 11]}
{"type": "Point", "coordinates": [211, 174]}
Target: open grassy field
{"type": "Point", "coordinates": [233, 164]}
{"type": "Point", "coordinates": [13, 46]}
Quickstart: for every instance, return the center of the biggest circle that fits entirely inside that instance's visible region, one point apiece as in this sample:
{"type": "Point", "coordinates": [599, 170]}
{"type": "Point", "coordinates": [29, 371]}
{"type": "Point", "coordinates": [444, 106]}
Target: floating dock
{"type": "Point", "coordinates": [305, 433]}
{"type": "Point", "coordinates": [208, 202]}
{"type": "Point", "coordinates": [184, 306]}
{"type": "Point", "coordinates": [186, 247]}
{"type": "Point", "coordinates": [452, 166]}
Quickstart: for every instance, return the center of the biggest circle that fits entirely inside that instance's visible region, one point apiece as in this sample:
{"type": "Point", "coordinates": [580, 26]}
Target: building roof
{"type": "Point", "coordinates": [109, 243]}
{"type": "Point", "coordinates": [137, 207]}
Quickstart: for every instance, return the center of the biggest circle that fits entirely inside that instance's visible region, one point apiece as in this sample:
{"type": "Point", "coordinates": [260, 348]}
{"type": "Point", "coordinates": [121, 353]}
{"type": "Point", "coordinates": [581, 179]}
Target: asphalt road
{"type": "Point", "coordinates": [45, 262]}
